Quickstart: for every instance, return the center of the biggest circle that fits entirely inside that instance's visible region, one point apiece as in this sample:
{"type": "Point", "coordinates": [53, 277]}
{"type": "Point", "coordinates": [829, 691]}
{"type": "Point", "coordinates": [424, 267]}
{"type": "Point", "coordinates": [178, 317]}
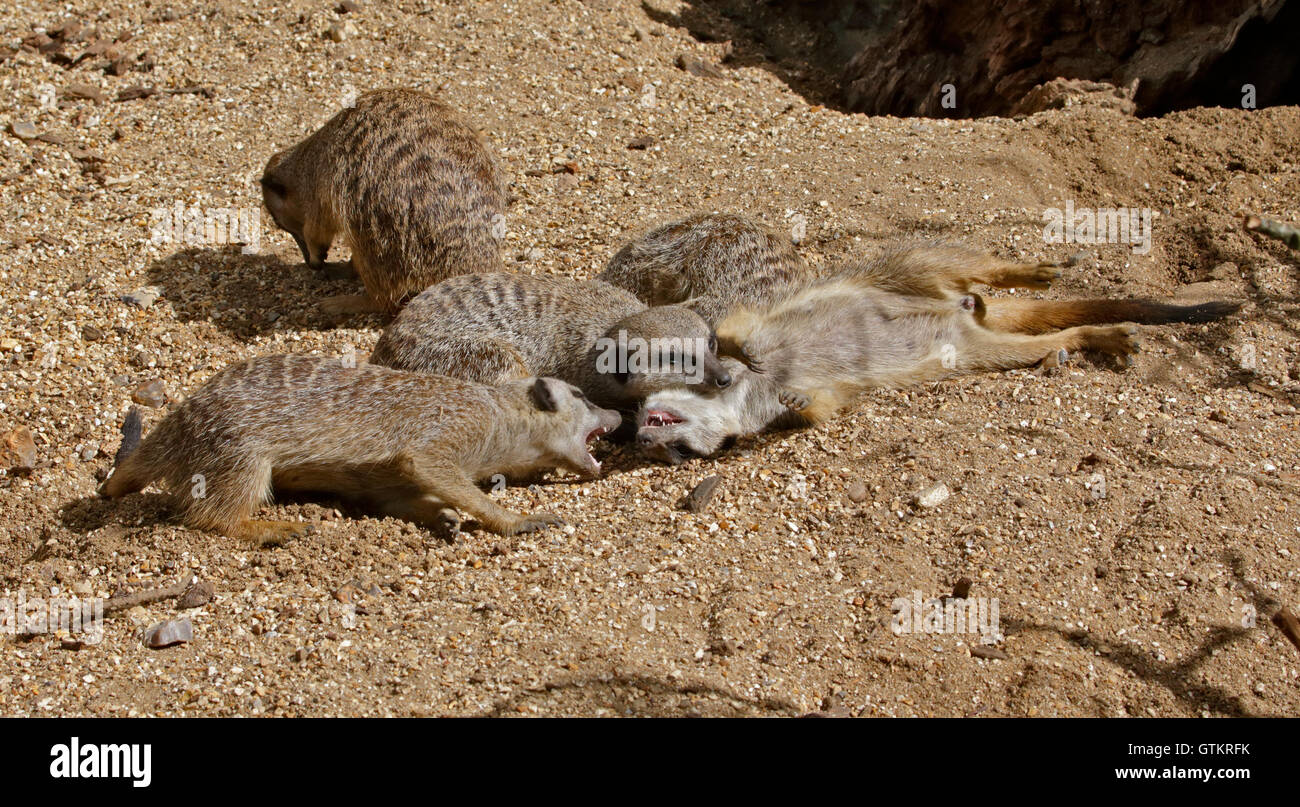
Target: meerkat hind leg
{"type": "Point", "coordinates": [447, 483]}
{"type": "Point", "coordinates": [986, 350]}
{"type": "Point", "coordinates": [269, 533]}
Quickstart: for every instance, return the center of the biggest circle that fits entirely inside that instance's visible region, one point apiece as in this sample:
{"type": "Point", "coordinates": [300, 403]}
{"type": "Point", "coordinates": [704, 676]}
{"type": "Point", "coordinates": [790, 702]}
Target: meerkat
{"type": "Point", "coordinates": [906, 318]}
{"type": "Point", "coordinates": [414, 192]}
{"type": "Point", "coordinates": [714, 261]}
{"type": "Point", "coordinates": [409, 445]}
{"type": "Point", "coordinates": [601, 339]}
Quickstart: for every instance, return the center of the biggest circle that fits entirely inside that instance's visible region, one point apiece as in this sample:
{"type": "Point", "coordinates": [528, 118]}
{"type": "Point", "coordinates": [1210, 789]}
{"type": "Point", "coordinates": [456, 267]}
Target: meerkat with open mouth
{"type": "Point", "coordinates": [905, 318]}
{"type": "Point", "coordinates": [408, 445]}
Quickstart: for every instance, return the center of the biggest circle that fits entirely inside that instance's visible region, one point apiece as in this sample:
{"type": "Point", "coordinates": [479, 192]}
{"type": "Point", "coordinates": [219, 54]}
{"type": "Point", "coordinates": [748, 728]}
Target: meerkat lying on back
{"type": "Point", "coordinates": [491, 327]}
{"type": "Point", "coordinates": [413, 191]}
{"type": "Point", "coordinates": [715, 260]}
{"type": "Point", "coordinates": [905, 318]}
{"type": "Point", "coordinates": [407, 445]}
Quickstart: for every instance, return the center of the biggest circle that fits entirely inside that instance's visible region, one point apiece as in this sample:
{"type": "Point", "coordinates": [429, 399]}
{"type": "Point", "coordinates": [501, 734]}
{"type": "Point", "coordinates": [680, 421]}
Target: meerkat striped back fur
{"type": "Point", "coordinates": [414, 192]}
{"type": "Point", "coordinates": [490, 327]}
{"type": "Point", "coordinates": [716, 261]}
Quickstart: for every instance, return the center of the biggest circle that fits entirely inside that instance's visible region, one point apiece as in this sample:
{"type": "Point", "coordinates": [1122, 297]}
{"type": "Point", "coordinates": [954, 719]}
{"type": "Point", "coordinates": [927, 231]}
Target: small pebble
{"type": "Point", "coordinates": [171, 632]}
{"type": "Point", "coordinates": [933, 496]}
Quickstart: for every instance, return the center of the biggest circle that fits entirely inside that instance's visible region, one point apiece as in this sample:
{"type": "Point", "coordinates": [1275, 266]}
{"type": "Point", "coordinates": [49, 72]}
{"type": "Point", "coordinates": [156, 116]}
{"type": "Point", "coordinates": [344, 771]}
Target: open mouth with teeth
{"type": "Point", "coordinates": [592, 437]}
{"type": "Point", "coordinates": [661, 417]}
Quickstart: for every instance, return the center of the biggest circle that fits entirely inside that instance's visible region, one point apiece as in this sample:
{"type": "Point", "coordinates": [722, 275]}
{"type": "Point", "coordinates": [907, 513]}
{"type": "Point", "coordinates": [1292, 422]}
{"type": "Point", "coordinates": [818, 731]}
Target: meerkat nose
{"type": "Point", "coordinates": [723, 380]}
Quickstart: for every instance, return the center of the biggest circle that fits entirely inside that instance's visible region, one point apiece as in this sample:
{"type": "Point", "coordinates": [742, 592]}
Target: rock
{"type": "Point", "coordinates": [347, 593]}
{"type": "Point", "coordinates": [133, 93]}
{"type": "Point", "coordinates": [348, 7]}
{"type": "Point", "coordinates": [341, 31]}
{"type": "Point", "coordinates": [566, 182]}
{"type": "Point", "coordinates": [723, 647]}
{"type": "Point", "coordinates": [641, 143]}
{"type": "Point", "coordinates": [986, 652]}
{"type": "Point", "coordinates": [1080, 259]}
{"type": "Point", "coordinates": [933, 496]}
{"type": "Point", "coordinates": [24, 130]}
{"type": "Point", "coordinates": [171, 632]}
{"type": "Point", "coordinates": [152, 394]}
{"type": "Point", "coordinates": [698, 499]}
{"type": "Point", "coordinates": [699, 67]}
{"type": "Point", "coordinates": [142, 297]}
{"type": "Point", "coordinates": [67, 30]}
{"type": "Point", "coordinates": [18, 450]}
{"type": "Point", "coordinates": [199, 593]}
{"type": "Point", "coordinates": [961, 589]}
{"type": "Point", "coordinates": [91, 333]}
{"type": "Point", "coordinates": [89, 453]}
{"type": "Point", "coordinates": [87, 92]}
{"type": "Point", "coordinates": [857, 492]}
{"type": "Point", "coordinates": [37, 42]}
{"type": "Point", "coordinates": [1063, 93]}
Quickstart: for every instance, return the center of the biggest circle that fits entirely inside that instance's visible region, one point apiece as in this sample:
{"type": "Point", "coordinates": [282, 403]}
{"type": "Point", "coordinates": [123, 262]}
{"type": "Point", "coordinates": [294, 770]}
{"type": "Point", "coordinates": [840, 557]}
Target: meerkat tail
{"type": "Point", "coordinates": [132, 431]}
{"type": "Point", "coordinates": [1044, 316]}
{"type": "Point", "coordinates": [128, 472]}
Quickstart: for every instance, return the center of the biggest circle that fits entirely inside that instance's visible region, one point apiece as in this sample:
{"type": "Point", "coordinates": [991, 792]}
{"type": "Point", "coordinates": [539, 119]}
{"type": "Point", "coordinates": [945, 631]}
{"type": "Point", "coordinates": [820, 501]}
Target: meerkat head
{"type": "Point", "coordinates": [677, 424]}
{"type": "Point", "coordinates": [566, 423]}
{"type": "Point", "coordinates": [659, 348]}
{"type": "Point", "coordinates": [284, 200]}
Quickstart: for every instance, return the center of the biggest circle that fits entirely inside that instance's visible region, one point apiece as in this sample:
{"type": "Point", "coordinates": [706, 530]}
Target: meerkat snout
{"type": "Point", "coordinates": [569, 447]}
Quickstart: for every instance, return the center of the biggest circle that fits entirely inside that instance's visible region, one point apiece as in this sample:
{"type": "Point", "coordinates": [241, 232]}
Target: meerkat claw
{"type": "Point", "coordinates": [794, 401]}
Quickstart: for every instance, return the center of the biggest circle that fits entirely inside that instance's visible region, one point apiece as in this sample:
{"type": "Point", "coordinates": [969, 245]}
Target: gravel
{"type": "Point", "coordinates": [778, 598]}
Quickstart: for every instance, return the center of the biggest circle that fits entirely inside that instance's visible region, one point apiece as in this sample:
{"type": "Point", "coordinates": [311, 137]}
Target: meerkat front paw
{"type": "Point", "coordinates": [447, 522]}
{"type": "Point", "coordinates": [1040, 276]}
{"type": "Point", "coordinates": [1054, 360]}
{"type": "Point", "coordinates": [534, 522]}
{"type": "Point", "coordinates": [339, 270]}
{"type": "Point", "coordinates": [794, 401]}
{"type": "Point", "coordinates": [749, 355]}
{"type": "Point", "coordinates": [1115, 340]}
{"type": "Point", "coordinates": [345, 304]}
{"type": "Point", "coordinates": [272, 533]}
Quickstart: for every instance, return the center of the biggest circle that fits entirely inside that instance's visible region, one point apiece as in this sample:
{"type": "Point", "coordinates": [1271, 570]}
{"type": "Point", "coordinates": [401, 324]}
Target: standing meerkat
{"type": "Point", "coordinates": [714, 260]}
{"type": "Point", "coordinates": [601, 339]}
{"type": "Point", "coordinates": [407, 445]}
{"type": "Point", "coordinates": [907, 317]}
{"type": "Point", "coordinates": [414, 192]}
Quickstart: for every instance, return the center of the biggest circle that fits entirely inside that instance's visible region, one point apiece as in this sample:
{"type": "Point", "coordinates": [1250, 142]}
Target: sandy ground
{"type": "Point", "coordinates": [1128, 522]}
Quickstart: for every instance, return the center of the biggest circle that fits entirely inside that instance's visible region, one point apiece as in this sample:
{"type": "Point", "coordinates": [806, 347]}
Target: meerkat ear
{"type": "Point", "coordinates": [543, 397]}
